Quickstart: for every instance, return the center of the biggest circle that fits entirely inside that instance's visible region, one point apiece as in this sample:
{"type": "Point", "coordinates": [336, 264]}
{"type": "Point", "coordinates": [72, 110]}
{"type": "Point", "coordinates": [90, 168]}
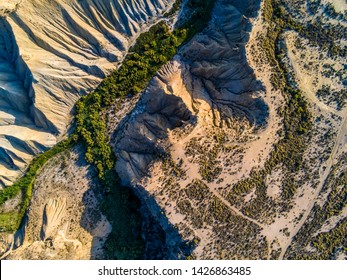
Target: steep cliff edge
{"type": "Point", "coordinates": [241, 170]}
{"type": "Point", "coordinates": [226, 167]}
{"type": "Point", "coordinates": [51, 53]}
{"type": "Point", "coordinates": [208, 83]}
{"type": "Point", "coordinates": [191, 126]}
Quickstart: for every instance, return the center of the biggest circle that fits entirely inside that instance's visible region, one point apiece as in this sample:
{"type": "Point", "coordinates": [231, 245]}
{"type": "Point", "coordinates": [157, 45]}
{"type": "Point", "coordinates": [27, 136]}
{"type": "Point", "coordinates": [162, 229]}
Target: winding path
{"type": "Point", "coordinates": [340, 142]}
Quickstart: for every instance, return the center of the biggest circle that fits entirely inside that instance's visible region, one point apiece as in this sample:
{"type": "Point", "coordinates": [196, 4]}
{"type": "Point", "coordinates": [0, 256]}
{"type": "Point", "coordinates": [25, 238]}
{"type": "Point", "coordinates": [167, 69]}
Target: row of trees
{"type": "Point", "coordinates": [151, 51]}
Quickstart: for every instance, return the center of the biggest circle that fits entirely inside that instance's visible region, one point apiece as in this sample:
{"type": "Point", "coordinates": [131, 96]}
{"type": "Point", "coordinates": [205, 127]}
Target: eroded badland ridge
{"type": "Point", "coordinates": [52, 53]}
{"type": "Point", "coordinates": [236, 149]}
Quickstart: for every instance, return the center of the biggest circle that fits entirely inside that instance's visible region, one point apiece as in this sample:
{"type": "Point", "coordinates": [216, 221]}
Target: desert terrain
{"type": "Point", "coordinates": [235, 149]}
{"type": "Point", "coordinates": [52, 53]}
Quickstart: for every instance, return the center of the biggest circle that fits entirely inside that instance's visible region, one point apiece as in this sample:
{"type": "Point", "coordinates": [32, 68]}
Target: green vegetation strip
{"type": "Point", "coordinates": [11, 221]}
{"type": "Point", "coordinates": [289, 151]}
{"type": "Point", "coordinates": [152, 50]}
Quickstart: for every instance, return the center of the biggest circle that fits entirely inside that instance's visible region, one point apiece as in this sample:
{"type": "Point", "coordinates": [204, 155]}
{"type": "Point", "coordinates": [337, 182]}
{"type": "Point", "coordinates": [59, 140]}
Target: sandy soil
{"type": "Point", "coordinates": [63, 221]}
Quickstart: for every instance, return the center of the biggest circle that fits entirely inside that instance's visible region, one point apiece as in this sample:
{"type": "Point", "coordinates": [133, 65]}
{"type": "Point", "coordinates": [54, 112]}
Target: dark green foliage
{"type": "Point", "coordinates": [328, 244]}
{"type": "Point", "coordinates": [329, 10]}
{"type": "Point", "coordinates": [185, 207]}
{"type": "Point", "coordinates": [289, 150]}
{"type": "Point", "coordinates": [207, 158]}
{"type": "Point", "coordinates": [197, 190]}
{"type": "Point", "coordinates": [170, 168]}
{"type": "Point", "coordinates": [120, 206]}
{"type": "Point", "coordinates": [199, 16]}
{"type": "Point", "coordinates": [319, 32]}
{"type": "Point", "coordinates": [313, 6]}
{"type": "Point", "coordinates": [325, 35]}
{"type": "Point", "coordinates": [175, 8]}
{"type": "Point", "coordinates": [151, 51]}
{"type": "Point", "coordinates": [232, 236]}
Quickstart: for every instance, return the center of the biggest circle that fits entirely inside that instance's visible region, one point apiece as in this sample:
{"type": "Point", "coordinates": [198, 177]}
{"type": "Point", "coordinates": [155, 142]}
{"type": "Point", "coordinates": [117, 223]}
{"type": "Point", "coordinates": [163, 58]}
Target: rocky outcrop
{"type": "Point", "coordinates": [51, 53]}
{"type": "Point", "coordinates": [176, 146]}
{"type": "Point", "coordinates": [208, 83]}
{"type": "Point", "coordinates": [138, 138]}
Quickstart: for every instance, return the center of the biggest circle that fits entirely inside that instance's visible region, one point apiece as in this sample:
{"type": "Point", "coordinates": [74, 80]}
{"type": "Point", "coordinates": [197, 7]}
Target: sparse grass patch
{"type": "Point", "coordinates": [326, 244]}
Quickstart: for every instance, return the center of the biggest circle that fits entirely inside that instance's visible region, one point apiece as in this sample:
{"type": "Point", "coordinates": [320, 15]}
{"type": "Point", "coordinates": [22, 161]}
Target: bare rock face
{"type": "Point", "coordinates": [51, 53]}
{"type": "Point", "coordinates": [159, 110]}
{"type": "Point", "coordinates": [208, 83]}
{"type": "Point", "coordinates": [183, 137]}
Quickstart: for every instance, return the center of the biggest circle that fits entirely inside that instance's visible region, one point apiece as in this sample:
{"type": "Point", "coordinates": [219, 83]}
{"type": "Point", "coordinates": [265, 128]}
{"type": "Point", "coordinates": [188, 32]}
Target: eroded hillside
{"type": "Point", "coordinates": [193, 133]}
{"type": "Point", "coordinates": [236, 149]}
{"type": "Point", "coordinates": [52, 53]}
{"type": "Point", "coordinates": [244, 169]}
{"type": "Point", "coordinates": [64, 220]}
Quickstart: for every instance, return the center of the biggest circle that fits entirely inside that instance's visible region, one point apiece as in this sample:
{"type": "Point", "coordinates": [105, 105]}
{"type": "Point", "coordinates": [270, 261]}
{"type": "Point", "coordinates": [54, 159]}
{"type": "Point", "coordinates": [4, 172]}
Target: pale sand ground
{"type": "Point", "coordinates": [309, 80]}
{"type": "Point", "coordinates": [7, 6]}
{"type": "Point", "coordinates": [285, 226]}
{"type": "Point", "coordinates": [274, 182]}
{"type": "Point", "coordinates": [255, 152]}
{"type": "Point", "coordinates": [339, 5]}
{"type": "Point", "coordinates": [63, 221]}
